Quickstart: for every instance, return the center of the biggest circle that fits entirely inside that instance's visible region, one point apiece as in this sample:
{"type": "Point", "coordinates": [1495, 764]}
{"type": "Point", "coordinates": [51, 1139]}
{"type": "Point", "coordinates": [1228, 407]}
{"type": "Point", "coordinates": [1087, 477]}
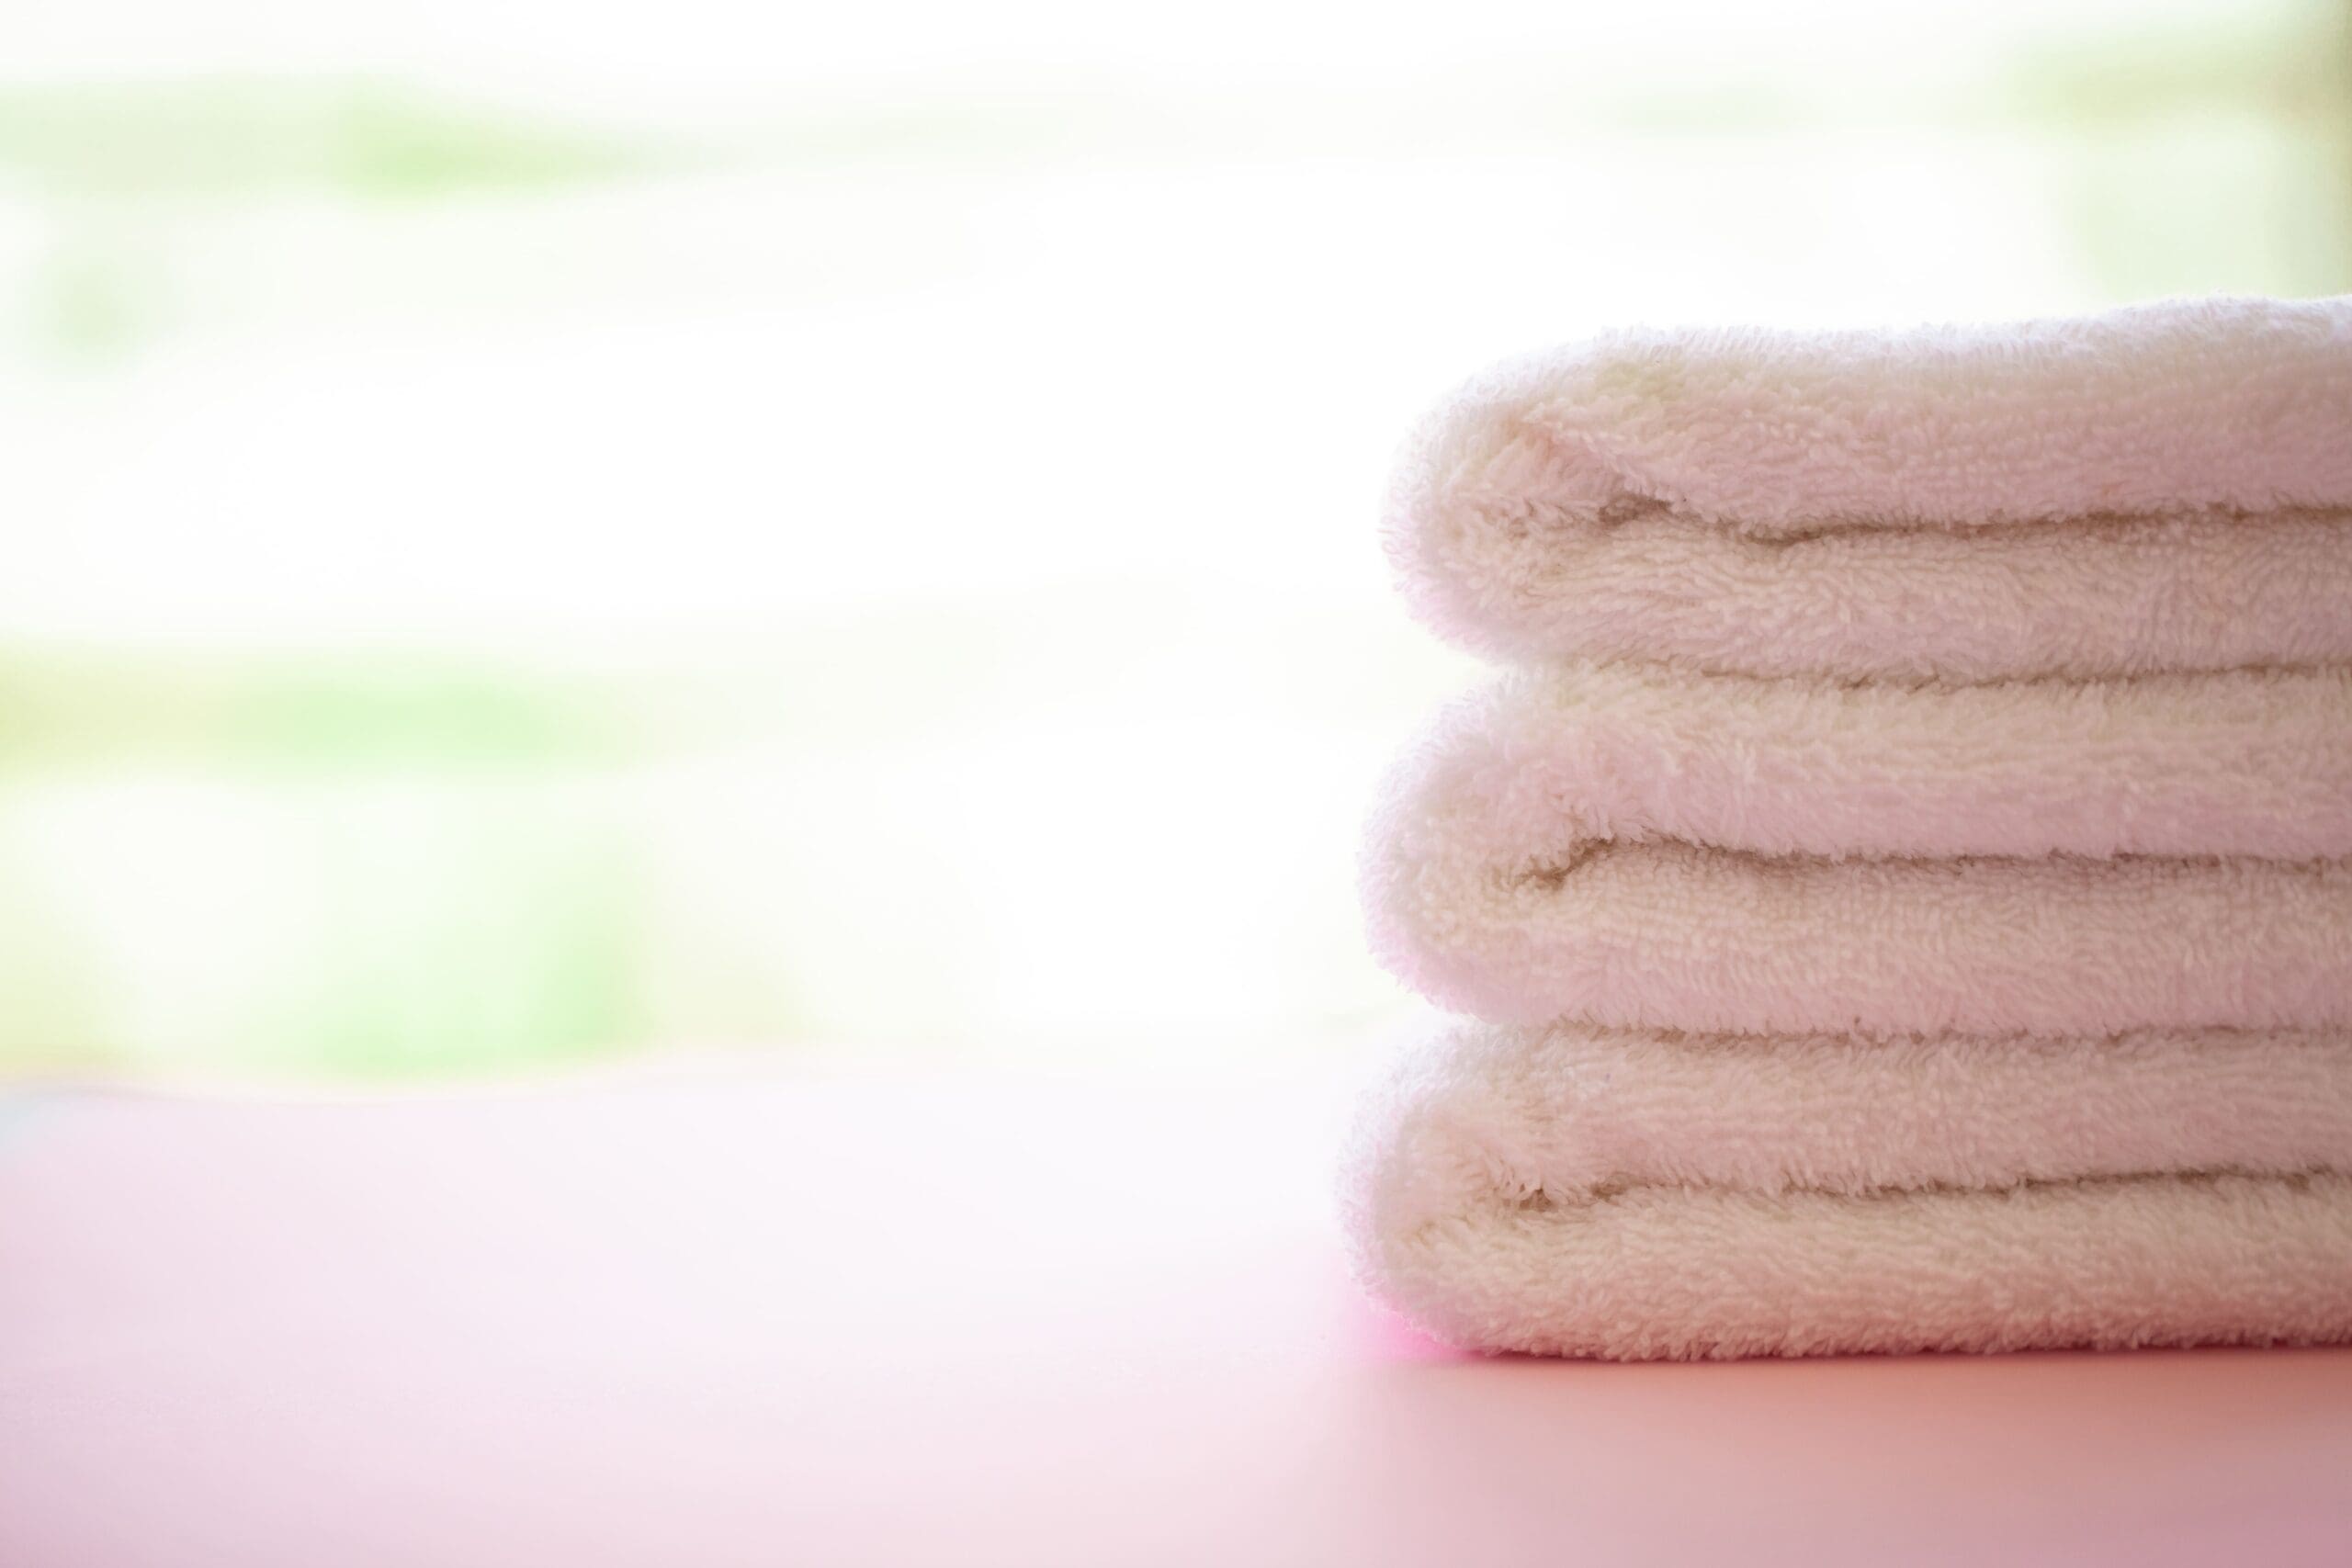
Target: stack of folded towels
{"type": "Point", "coordinates": [1902, 897]}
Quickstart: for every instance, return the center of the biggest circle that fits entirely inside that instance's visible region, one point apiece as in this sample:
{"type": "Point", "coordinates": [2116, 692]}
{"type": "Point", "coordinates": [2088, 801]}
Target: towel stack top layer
{"type": "Point", "coordinates": [1918, 829]}
{"type": "Point", "coordinates": [2161, 489]}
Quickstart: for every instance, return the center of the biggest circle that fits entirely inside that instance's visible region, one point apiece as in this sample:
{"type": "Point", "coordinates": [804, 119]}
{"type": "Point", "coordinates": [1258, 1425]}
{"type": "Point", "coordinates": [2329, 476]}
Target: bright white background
{"type": "Point", "coordinates": [543, 530]}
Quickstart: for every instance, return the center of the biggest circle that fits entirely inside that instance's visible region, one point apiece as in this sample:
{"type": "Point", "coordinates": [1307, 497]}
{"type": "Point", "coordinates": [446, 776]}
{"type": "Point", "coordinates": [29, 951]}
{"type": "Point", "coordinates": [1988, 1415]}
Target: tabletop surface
{"type": "Point", "coordinates": [754, 1316]}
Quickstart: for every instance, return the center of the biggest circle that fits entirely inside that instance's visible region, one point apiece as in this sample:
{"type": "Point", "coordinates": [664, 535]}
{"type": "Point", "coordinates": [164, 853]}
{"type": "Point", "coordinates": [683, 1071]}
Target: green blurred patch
{"type": "Point", "coordinates": [357, 864]}
{"type": "Point", "coordinates": [2213, 159]}
{"type": "Point", "coordinates": [235, 136]}
{"type": "Point", "coordinates": [223, 710]}
{"type": "Point", "coordinates": [344, 925]}
{"type": "Point", "coordinates": [510, 942]}
{"type": "Point", "coordinates": [2288, 64]}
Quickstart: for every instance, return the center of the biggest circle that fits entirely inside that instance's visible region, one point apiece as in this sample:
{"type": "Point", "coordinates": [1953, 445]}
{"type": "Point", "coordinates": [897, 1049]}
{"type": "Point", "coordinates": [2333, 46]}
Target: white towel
{"type": "Point", "coordinates": [2161, 489]}
{"type": "Point", "coordinates": [1912, 887]}
{"type": "Point", "coordinates": [1644, 848]}
{"type": "Point", "coordinates": [1582, 1191]}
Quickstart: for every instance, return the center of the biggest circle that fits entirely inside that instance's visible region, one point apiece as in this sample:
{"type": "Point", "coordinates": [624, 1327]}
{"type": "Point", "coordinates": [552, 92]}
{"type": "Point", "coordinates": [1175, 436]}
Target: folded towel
{"type": "Point", "coordinates": [2167, 488]}
{"type": "Point", "coordinates": [1644, 848]}
{"type": "Point", "coordinates": [1579, 1191]}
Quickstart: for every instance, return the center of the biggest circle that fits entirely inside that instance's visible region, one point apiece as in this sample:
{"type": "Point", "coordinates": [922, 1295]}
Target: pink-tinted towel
{"type": "Point", "coordinates": [2164, 487]}
{"type": "Point", "coordinates": [1908, 886]}
{"type": "Point", "coordinates": [1581, 1191]}
{"type": "Point", "coordinates": [1638, 848]}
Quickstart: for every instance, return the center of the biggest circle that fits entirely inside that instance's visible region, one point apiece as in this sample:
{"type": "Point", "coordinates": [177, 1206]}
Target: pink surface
{"type": "Point", "coordinates": [748, 1318]}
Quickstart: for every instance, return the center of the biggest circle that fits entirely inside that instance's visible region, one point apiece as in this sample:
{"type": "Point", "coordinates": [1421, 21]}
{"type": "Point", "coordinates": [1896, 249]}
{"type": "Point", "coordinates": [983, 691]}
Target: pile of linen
{"type": "Point", "coordinates": [1901, 897]}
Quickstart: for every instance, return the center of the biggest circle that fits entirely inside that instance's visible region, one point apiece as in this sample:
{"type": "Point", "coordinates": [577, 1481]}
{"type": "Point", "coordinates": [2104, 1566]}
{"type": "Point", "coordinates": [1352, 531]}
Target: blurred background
{"type": "Point", "coordinates": [550, 533]}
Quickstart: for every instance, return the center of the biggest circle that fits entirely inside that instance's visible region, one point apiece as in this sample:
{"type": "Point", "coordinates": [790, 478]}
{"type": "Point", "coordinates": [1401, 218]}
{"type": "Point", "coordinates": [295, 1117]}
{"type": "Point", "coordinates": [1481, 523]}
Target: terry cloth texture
{"type": "Point", "coordinates": [1647, 849]}
{"type": "Point", "coordinates": [1576, 1191]}
{"type": "Point", "coordinates": [1907, 885]}
{"type": "Point", "coordinates": [2161, 489]}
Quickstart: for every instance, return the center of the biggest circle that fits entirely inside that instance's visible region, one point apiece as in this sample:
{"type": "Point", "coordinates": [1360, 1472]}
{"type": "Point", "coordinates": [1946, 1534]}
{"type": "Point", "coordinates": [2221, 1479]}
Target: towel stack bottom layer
{"type": "Point", "coordinates": [1901, 898]}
